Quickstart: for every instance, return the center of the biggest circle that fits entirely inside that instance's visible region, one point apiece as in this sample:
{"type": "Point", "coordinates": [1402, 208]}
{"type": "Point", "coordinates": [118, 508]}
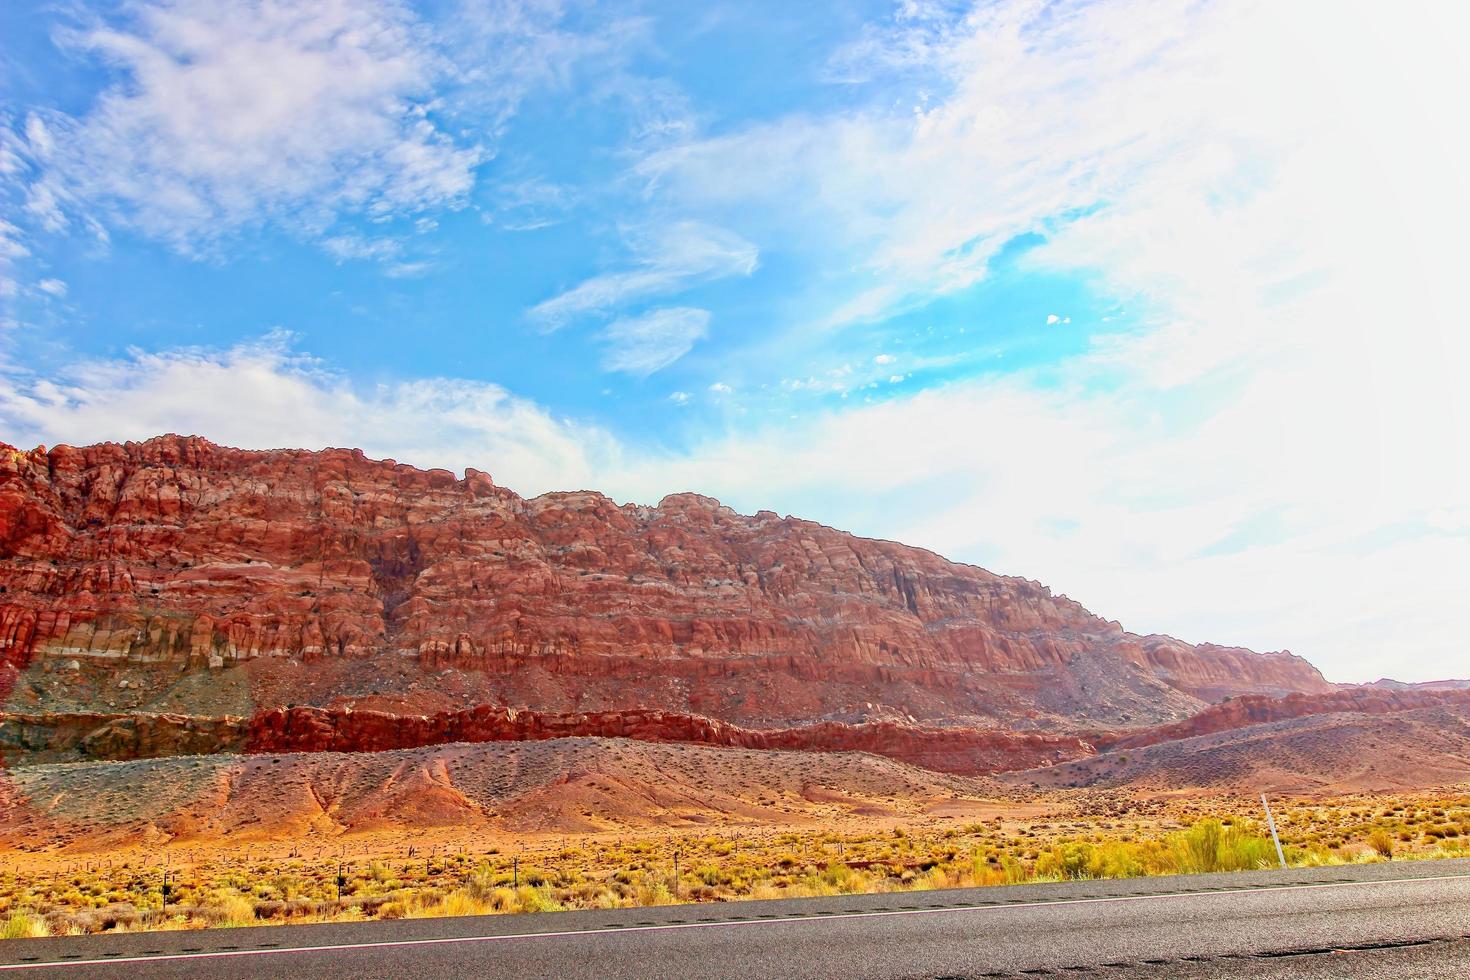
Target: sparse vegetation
{"type": "Point", "coordinates": [1084, 837]}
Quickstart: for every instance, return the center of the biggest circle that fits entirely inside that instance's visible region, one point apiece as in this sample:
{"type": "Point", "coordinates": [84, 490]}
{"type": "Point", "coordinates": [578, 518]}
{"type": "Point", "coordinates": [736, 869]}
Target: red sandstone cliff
{"type": "Point", "coordinates": [176, 575]}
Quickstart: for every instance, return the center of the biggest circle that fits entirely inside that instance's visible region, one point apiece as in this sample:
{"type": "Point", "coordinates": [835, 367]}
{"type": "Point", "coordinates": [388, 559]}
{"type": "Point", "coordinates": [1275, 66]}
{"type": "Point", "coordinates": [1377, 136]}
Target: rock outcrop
{"type": "Point", "coordinates": [92, 737]}
{"type": "Point", "coordinates": [178, 576]}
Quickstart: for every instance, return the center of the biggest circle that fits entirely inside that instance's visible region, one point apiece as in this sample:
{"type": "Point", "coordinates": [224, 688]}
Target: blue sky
{"type": "Point", "coordinates": [1149, 299]}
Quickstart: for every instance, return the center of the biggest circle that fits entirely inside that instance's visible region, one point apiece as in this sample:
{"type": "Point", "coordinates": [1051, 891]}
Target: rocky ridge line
{"type": "Point", "coordinates": [152, 576]}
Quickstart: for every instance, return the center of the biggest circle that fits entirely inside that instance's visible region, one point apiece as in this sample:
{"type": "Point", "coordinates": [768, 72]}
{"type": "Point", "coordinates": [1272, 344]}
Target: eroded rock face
{"type": "Point", "coordinates": [73, 737]}
{"type": "Point", "coordinates": [160, 575]}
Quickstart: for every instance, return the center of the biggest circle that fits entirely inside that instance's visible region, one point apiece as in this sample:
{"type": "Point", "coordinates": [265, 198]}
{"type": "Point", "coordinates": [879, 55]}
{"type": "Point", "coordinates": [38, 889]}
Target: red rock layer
{"type": "Point", "coordinates": [128, 569]}
{"type": "Point", "coordinates": [75, 736]}
{"type": "Point", "coordinates": [79, 736]}
{"type": "Point", "coordinates": [958, 750]}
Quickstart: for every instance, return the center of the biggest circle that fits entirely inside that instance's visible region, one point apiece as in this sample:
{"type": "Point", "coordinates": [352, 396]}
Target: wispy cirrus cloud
{"type": "Point", "coordinates": [641, 345]}
{"type": "Point", "coordinates": [667, 258]}
{"type": "Point", "coordinates": [12, 250]}
{"type": "Point", "coordinates": [354, 246]}
{"type": "Point", "coordinates": [225, 117]}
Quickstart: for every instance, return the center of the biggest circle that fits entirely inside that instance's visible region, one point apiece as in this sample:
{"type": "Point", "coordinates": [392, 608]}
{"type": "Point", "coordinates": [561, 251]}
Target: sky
{"type": "Point", "coordinates": [1157, 302]}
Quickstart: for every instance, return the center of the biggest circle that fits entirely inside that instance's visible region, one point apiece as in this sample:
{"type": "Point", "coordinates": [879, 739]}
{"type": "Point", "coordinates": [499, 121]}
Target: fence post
{"type": "Point", "coordinates": [1271, 822]}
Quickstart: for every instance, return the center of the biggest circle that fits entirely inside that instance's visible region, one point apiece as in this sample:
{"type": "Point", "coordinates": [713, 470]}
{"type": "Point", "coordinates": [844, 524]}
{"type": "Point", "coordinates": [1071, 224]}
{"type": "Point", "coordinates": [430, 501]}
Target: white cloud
{"type": "Point", "coordinates": [1055, 110]}
{"type": "Point", "coordinates": [263, 396]}
{"type": "Point", "coordinates": [884, 359]}
{"type": "Point", "coordinates": [720, 388]}
{"type": "Point", "coordinates": [52, 287]}
{"type": "Point", "coordinates": [12, 250]}
{"type": "Point", "coordinates": [11, 247]}
{"type": "Point", "coordinates": [652, 341]}
{"type": "Point", "coordinates": [679, 397]}
{"type": "Point", "coordinates": [246, 114]}
{"type": "Point", "coordinates": [1217, 531]}
{"type": "Point", "coordinates": [407, 270]}
{"type": "Point", "coordinates": [1052, 319]}
{"type": "Point", "coordinates": [503, 50]}
{"type": "Point", "coordinates": [668, 257]}
{"type": "Point", "coordinates": [529, 203]}
{"type": "Point", "coordinates": [352, 246]}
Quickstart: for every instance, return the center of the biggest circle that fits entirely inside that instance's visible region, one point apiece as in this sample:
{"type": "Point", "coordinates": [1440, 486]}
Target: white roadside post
{"type": "Point", "coordinates": [1271, 822]}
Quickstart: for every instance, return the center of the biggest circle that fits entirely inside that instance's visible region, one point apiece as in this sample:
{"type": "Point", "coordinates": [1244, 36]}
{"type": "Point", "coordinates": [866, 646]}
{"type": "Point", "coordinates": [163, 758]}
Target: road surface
{"type": "Point", "coordinates": [1401, 920]}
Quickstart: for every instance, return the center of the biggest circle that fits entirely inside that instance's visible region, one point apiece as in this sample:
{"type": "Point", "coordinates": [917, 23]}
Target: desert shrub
{"type": "Point", "coordinates": [1119, 859]}
{"type": "Point", "coordinates": [1014, 870]}
{"type": "Point", "coordinates": [482, 883]}
{"type": "Point", "coordinates": [232, 909]}
{"type": "Point", "coordinates": [1244, 851]}
{"type": "Point", "coordinates": [539, 900]}
{"type": "Point", "coordinates": [842, 878]}
{"type": "Point", "coordinates": [461, 902]}
{"type": "Point", "coordinates": [1197, 849]}
{"type": "Point", "coordinates": [1072, 860]}
{"type": "Point", "coordinates": [117, 915]}
{"type": "Point", "coordinates": [23, 925]}
{"type": "Point", "coordinates": [1210, 846]}
{"type": "Point", "coordinates": [652, 891]}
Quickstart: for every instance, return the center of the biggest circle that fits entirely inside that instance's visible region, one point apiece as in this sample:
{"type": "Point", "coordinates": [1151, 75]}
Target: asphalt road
{"type": "Point", "coordinates": [1389, 920]}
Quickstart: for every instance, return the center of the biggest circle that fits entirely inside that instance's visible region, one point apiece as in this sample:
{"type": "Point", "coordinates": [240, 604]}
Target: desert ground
{"type": "Point", "coordinates": [221, 840]}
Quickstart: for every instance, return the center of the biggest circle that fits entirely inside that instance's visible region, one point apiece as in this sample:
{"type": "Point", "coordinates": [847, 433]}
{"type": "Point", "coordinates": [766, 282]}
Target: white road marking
{"type": "Point", "coordinates": [667, 927]}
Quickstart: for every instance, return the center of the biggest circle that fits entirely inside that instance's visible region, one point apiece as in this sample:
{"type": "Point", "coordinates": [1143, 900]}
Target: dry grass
{"type": "Point", "coordinates": [1087, 836]}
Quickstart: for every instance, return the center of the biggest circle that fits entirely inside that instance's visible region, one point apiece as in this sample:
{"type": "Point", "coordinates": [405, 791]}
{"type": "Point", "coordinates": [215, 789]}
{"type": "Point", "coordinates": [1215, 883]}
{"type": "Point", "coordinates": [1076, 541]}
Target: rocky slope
{"type": "Point", "coordinates": [1405, 748]}
{"type": "Point", "coordinates": [1245, 712]}
{"type": "Point", "coordinates": [1389, 684]}
{"type": "Point", "coordinates": [176, 575]}
{"type": "Point", "coordinates": [560, 785]}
